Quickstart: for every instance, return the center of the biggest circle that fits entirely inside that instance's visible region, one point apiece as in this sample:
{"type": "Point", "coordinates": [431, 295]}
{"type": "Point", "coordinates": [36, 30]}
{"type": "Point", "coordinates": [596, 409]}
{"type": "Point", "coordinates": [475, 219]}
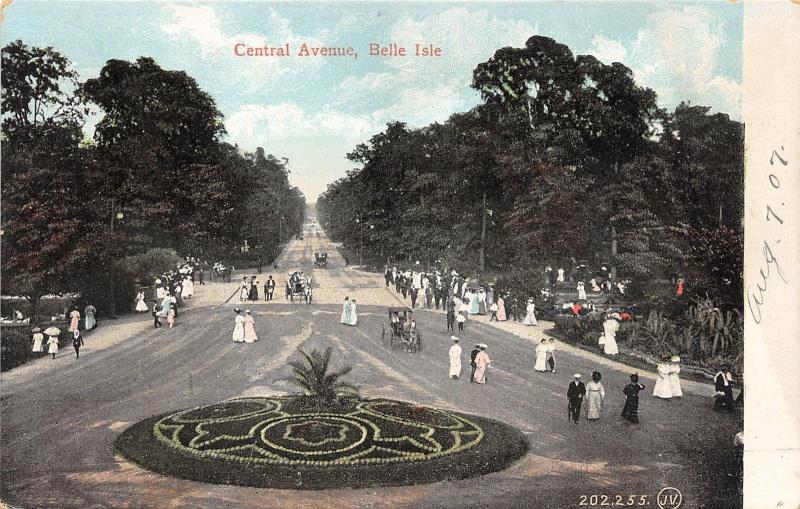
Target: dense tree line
{"type": "Point", "coordinates": [155, 175]}
{"type": "Point", "coordinates": [565, 157]}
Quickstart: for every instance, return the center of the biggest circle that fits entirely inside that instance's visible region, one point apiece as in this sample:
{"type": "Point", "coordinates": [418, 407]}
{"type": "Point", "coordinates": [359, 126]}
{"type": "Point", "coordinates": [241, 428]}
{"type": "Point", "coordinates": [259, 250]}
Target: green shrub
{"type": "Point", "coordinates": [582, 330]}
{"type": "Point", "coordinates": [145, 265]}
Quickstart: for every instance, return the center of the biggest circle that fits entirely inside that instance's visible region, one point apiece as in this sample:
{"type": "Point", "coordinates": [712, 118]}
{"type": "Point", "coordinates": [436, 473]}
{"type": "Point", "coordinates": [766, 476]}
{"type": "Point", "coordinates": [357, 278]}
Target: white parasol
{"type": "Point", "coordinates": [52, 331]}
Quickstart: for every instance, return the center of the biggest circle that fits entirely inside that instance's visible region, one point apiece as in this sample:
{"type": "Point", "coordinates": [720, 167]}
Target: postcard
{"type": "Point", "coordinates": [399, 254]}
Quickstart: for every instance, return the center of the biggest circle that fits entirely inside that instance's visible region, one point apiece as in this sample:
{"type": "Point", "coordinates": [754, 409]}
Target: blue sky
{"type": "Point", "coordinates": [315, 110]}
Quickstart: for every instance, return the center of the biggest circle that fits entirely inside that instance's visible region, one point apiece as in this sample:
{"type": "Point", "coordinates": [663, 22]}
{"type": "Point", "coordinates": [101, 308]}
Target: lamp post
{"type": "Point", "coordinates": [112, 283]}
{"type": "Point", "coordinates": [361, 243]}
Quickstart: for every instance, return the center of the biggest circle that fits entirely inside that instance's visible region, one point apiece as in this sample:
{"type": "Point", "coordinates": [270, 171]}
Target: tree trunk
{"type": "Point", "coordinates": [34, 300]}
{"type": "Point", "coordinates": [614, 233]}
{"type": "Point", "coordinates": [613, 251]}
{"type": "Point", "coordinates": [481, 261]}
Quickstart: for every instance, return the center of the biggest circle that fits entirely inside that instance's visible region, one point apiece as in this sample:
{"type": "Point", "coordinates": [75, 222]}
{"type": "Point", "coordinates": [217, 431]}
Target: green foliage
{"type": "Point", "coordinates": [313, 375]}
{"type": "Point", "coordinates": [156, 177]}
{"type": "Point", "coordinates": [150, 263]}
{"type": "Point", "coordinates": [715, 264]}
{"type": "Point", "coordinates": [656, 332]}
{"type": "Point", "coordinates": [709, 328]}
{"type": "Point", "coordinates": [39, 87]}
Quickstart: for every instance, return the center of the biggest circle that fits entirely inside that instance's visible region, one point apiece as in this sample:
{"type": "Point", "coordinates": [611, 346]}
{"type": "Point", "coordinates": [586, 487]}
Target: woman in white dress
{"type": "Point", "coordinates": [530, 313]}
{"type": "Point", "coordinates": [188, 288]}
{"type": "Point", "coordinates": [38, 338]}
{"type": "Point", "coordinates": [560, 277]}
{"type": "Point", "coordinates": [90, 319]}
{"type": "Point", "coordinates": [610, 328]}
{"type": "Point", "coordinates": [52, 345]}
{"type": "Point", "coordinates": [141, 305]}
{"type": "Point", "coordinates": [345, 318]}
{"type": "Point", "coordinates": [674, 377]}
{"type": "Point", "coordinates": [250, 335]}
{"type": "Point", "coordinates": [662, 388]}
{"type": "Point", "coordinates": [238, 327]}
{"type": "Point", "coordinates": [244, 291]}
{"type": "Point", "coordinates": [581, 291]}
{"type": "Point", "coordinates": [595, 394]}
{"type": "Point", "coordinates": [353, 313]}
{"type": "Point", "coordinates": [541, 356]}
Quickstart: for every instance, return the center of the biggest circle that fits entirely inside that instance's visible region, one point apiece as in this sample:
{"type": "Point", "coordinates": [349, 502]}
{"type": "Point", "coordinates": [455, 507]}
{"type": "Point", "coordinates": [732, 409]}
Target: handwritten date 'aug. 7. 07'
{"type": "Point", "coordinates": [755, 297]}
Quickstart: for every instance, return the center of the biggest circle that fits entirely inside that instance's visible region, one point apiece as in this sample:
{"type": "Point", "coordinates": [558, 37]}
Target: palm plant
{"type": "Point", "coordinates": [312, 375]}
{"type": "Point", "coordinates": [657, 330]}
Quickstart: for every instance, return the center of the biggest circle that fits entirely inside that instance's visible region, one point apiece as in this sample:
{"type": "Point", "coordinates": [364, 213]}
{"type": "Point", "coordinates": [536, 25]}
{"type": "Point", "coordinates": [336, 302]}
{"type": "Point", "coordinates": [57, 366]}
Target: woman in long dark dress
{"type": "Point", "coordinates": [631, 391]}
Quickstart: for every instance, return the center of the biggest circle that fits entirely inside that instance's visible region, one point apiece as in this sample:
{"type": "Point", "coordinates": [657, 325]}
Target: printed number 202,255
{"type": "Point", "coordinates": [618, 500]}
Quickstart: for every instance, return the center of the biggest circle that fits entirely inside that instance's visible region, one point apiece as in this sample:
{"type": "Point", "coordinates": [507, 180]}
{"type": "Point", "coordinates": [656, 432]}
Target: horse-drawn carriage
{"type": "Point", "coordinates": [321, 260]}
{"type": "Point", "coordinates": [402, 329]}
{"type": "Point", "coordinates": [299, 286]}
{"type": "Point", "coordinates": [220, 271]}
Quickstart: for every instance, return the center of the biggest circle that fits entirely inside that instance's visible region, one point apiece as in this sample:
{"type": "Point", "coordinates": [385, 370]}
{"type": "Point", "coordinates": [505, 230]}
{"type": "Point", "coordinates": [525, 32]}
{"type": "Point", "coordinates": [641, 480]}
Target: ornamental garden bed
{"type": "Point", "coordinates": [296, 442]}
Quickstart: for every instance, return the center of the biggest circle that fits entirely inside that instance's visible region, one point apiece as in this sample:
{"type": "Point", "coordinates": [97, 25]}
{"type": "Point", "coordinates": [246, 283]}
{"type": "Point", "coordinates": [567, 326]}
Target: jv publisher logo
{"type": "Point", "coordinates": [669, 498]}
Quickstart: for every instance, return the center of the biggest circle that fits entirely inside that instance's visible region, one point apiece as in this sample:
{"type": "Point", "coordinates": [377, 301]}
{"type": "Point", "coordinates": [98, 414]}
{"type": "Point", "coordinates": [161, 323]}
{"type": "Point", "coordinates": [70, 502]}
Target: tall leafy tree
{"type": "Point", "coordinates": [45, 221]}
{"type": "Point", "coordinates": [156, 124]}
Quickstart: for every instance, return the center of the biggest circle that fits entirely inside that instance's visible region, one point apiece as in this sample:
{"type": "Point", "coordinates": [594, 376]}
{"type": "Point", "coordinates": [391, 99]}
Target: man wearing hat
{"type": "Point", "coordinates": [575, 394]}
{"type": "Point", "coordinates": [455, 358]}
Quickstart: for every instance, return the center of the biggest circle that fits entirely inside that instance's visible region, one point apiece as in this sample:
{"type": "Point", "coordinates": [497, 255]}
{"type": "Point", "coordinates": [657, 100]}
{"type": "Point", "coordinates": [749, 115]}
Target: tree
{"type": "Point", "coordinates": [707, 157]}
{"type": "Point", "coordinates": [46, 225]}
{"type": "Point", "coordinates": [39, 93]}
{"type": "Point", "coordinates": [157, 124]}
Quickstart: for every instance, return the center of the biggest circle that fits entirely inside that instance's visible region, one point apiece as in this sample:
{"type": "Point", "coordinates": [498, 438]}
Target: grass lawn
{"type": "Point", "coordinates": [292, 442]}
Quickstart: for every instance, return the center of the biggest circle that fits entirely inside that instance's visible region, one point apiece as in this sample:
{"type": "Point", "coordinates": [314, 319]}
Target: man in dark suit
{"type": "Point", "coordinates": [269, 288]}
{"type": "Point", "coordinates": [575, 394]}
{"type": "Point", "coordinates": [724, 395]}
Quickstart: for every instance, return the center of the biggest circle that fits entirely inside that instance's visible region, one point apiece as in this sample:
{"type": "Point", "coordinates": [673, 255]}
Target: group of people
{"type": "Point", "coordinates": [74, 328]}
{"type": "Point", "coordinates": [248, 290]}
{"type": "Point", "coordinates": [171, 289]}
{"type": "Point", "coordinates": [600, 281]}
{"type": "Point", "coordinates": [244, 327]}
{"type": "Point", "coordinates": [479, 361]}
{"type": "Point", "coordinates": [435, 289]}
{"type": "Point", "coordinates": [593, 392]}
{"type": "Point", "coordinates": [668, 382]}
{"type": "Point", "coordinates": [545, 356]}
{"type": "Point", "coordinates": [349, 312]}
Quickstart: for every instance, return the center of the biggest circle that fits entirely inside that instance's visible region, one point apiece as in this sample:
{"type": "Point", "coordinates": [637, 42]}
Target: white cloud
{"type": "Point", "coordinates": [315, 143]}
{"type": "Point", "coordinates": [431, 89]}
{"type": "Point", "coordinates": [370, 82]}
{"type": "Point", "coordinates": [201, 26]}
{"type": "Point", "coordinates": [466, 37]}
{"type": "Point", "coordinates": [255, 125]}
{"type": "Point", "coordinates": [676, 54]}
{"type": "Point", "coordinates": [417, 106]}
{"type": "Point", "coordinates": [608, 51]}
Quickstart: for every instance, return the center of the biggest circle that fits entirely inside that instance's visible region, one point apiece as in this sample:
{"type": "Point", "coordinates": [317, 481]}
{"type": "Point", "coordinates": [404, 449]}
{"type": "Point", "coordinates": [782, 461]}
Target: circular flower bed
{"type": "Point", "coordinates": [293, 443]}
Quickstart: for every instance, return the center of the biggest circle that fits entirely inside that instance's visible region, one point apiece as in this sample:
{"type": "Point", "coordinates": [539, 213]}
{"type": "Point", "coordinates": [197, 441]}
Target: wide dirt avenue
{"type": "Point", "coordinates": [60, 417]}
